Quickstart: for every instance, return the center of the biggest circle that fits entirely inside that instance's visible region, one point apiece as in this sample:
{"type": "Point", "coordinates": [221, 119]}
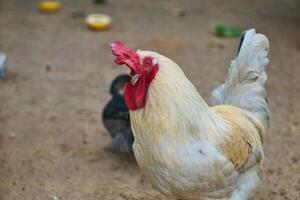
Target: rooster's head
{"type": "Point", "coordinates": [143, 69]}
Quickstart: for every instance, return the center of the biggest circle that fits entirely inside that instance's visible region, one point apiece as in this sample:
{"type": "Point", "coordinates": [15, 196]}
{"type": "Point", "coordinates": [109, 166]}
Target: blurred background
{"type": "Point", "coordinates": [53, 144]}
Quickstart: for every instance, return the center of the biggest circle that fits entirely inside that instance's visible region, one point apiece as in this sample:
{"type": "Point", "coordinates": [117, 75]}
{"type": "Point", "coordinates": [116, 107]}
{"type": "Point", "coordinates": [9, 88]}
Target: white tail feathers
{"type": "Point", "coordinates": [244, 86]}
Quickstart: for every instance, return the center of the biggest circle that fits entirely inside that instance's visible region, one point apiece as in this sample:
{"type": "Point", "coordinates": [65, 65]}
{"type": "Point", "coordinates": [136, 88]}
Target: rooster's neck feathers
{"type": "Point", "coordinates": [173, 103]}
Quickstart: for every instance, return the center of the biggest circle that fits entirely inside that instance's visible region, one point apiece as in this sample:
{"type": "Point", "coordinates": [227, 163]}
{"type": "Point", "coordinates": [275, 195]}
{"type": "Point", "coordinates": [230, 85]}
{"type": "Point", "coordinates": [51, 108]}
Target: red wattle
{"type": "Point", "coordinates": [136, 95]}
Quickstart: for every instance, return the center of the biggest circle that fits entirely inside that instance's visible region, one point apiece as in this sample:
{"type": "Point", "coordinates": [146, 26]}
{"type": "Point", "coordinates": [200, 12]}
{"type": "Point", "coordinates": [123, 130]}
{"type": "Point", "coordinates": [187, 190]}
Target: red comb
{"type": "Point", "coordinates": [125, 55]}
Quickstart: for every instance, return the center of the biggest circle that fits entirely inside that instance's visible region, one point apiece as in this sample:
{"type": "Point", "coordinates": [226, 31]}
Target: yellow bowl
{"type": "Point", "coordinates": [98, 21]}
{"type": "Point", "coordinates": [50, 6]}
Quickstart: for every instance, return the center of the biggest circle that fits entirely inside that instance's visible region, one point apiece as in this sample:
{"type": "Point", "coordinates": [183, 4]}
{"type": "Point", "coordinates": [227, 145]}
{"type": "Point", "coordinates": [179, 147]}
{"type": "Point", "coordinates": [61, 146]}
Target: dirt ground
{"type": "Point", "coordinates": [52, 141]}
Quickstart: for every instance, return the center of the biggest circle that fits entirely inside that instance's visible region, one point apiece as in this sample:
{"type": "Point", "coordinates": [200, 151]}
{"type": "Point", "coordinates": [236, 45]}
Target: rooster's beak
{"type": "Point", "coordinates": [134, 79]}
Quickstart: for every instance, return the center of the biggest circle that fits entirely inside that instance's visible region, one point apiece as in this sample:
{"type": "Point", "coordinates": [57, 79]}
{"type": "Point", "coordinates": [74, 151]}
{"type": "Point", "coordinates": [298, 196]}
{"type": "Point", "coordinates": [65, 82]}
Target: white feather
{"type": "Point", "coordinates": [244, 86]}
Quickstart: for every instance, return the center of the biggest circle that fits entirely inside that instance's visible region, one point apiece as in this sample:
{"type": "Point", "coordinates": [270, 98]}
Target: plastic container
{"type": "Point", "coordinates": [99, 1]}
{"type": "Point", "coordinates": [98, 21]}
{"type": "Point", "coordinates": [50, 6]}
{"type": "Point", "coordinates": [228, 31]}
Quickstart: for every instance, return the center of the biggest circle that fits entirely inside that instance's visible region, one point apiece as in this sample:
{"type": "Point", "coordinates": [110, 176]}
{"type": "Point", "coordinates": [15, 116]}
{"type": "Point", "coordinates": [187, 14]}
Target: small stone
{"type": "Point", "coordinates": [298, 46]}
{"type": "Point", "coordinates": [178, 12]}
{"type": "Point", "coordinates": [85, 141]}
{"type": "Point", "coordinates": [293, 128]}
{"type": "Point", "coordinates": [282, 192]}
{"type": "Point", "coordinates": [99, 1]}
{"type": "Point", "coordinates": [48, 68]}
{"type": "Point", "coordinates": [12, 135]}
{"type": "Point", "coordinates": [294, 159]}
{"type": "Point", "coordinates": [55, 198]}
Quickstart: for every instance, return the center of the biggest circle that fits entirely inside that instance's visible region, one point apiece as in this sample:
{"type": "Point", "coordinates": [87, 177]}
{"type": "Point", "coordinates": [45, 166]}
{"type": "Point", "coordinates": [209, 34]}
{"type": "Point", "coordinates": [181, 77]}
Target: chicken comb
{"type": "Point", "coordinates": [125, 55]}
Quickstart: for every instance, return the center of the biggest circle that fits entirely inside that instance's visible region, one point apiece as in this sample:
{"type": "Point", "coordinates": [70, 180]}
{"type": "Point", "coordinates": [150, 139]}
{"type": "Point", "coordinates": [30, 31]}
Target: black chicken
{"type": "Point", "coordinates": [115, 117]}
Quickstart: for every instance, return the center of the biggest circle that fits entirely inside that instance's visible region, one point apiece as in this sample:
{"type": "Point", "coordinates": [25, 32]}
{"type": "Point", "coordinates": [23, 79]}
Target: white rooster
{"type": "Point", "coordinates": [187, 149]}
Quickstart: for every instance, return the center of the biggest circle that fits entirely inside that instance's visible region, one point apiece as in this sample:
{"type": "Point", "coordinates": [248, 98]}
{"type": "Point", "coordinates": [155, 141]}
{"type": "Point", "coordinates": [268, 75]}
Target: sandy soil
{"type": "Point", "coordinates": [52, 141]}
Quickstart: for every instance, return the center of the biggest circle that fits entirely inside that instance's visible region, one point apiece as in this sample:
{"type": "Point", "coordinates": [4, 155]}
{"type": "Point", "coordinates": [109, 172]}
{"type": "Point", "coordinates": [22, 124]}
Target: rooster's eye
{"type": "Point", "coordinates": [147, 62]}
